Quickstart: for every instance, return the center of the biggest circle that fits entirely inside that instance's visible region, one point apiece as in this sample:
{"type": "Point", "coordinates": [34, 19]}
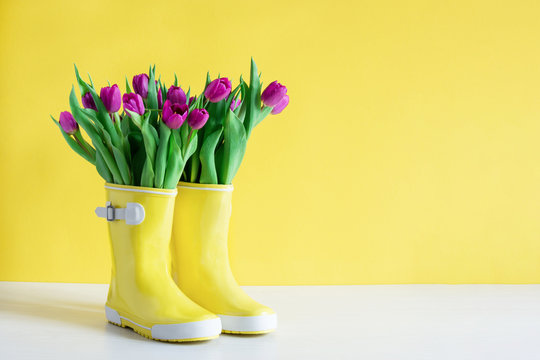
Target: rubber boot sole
{"type": "Point", "coordinates": [184, 332]}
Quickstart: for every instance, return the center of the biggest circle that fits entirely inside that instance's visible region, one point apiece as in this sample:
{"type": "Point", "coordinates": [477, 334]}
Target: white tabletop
{"type": "Point", "coordinates": [67, 321]}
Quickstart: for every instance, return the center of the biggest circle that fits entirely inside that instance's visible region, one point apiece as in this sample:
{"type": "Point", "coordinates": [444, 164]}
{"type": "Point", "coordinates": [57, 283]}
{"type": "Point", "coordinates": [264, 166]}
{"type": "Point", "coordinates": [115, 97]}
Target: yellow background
{"type": "Point", "coordinates": [409, 153]}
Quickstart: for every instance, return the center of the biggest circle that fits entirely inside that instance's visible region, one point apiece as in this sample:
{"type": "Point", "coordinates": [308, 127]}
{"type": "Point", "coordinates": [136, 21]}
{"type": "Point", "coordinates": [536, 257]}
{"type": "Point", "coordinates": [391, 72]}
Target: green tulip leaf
{"type": "Point", "coordinates": [95, 136]}
{"type": "Point", "coordinates": [183, 134]}
{"type": "Point", "coordinates": [208, 81]}
{"type": "Point", "coordinates": [104, 135]}
{"type": "Point", "coordinates": [150, 143]}
{"type": "Point", "coordinates": [124, 124]}
{"type": "Point", "coordinates": [91, 82]}
{"type": "Point", "coordinates": [241, 110]}
{"type": "Point", "coordinates": [191, 151]}
{"type": "Point", "coordinates": [161, 156]}
{"type": "Point", "coordinates": [195, 166]}
{"type": "Point", "coordinates": [73, 144]}
{"type": "Point", "coordinates": [152, 96]}
{"type": "Point", "coordinates": [192, 146]}
{"type": "Point", "coordinates": [206, 156]}
{"type": "Point", "coordinates": [108, 160]}
{"type": "Point", "coordinates": [118, 127]}
{"type": "Point", "coordinates": [262, 114]}
{"type": "Point", "coordinates": [83, 86]}
{"type": "Point", "coordinates": [175, 164]}
{"type": "Point", "coordinates": [234, 147]}
{"type": "Point", "coordinates": [122, 165]}
{"type": "Point", "coordinates": [102, 168]}
{"type": "Point", "coordinates": [102, 114]}
{"type": "Point", "coordinates": [217, 112]}
{"type": "Point", "coordinates": [163, 93]}
{"type": "Point", "coordinates": [231, 97]}
{"type": "Point", "coordinates": [147, 176]}
{"type": "Point", "coordinates": [253, 100]}
{"type": "Point", "coordinates": [136, 118]}
{"type": "Point", "coordinates": [128, 87]}
{"type": "Point", "coordinates": [127, 149]}
{"type": "Point", "coordinates": [154, 133]}
{"type": "Point", "coordinates": [85, 145]}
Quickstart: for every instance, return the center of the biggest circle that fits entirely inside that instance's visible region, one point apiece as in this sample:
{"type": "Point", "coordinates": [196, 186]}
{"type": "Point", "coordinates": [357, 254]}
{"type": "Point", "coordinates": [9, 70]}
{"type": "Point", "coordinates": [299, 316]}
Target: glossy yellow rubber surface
{"type": "Point", "coordinates": [200, 255]}
{"type": "Point", "coordinates": [142, 289]}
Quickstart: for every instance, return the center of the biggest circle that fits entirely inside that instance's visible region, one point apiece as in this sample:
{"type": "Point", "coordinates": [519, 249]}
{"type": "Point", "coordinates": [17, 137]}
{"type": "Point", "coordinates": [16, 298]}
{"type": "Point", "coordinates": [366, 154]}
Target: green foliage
{"type": "Point", "coordinates": [233, 148]}
{"type": "Point", "coordinates": [207, 159]}
{"type": "Point", "coordinates": [86, 151]}
{"type": "Point", "coordinates": [161, 157]}
{"type": "Point", "coordinates": [132, 149]}
{"type": "Point", "coordinates": [175, 164]}
{"type": "Point", "coordinates": [223, 140]}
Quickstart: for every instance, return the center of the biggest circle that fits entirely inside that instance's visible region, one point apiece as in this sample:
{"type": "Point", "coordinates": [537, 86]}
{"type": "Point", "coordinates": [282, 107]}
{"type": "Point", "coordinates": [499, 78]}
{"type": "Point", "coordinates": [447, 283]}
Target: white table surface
{"type": "Point", "coordinates": [67, 321]}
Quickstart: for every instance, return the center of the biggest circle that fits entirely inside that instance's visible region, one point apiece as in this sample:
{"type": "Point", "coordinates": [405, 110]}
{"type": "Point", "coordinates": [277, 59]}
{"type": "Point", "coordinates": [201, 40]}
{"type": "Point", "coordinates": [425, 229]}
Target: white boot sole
{"type": "Point", "coordinates": [191, 331]}
{"type": "Point", "coordinates": [248, 324]}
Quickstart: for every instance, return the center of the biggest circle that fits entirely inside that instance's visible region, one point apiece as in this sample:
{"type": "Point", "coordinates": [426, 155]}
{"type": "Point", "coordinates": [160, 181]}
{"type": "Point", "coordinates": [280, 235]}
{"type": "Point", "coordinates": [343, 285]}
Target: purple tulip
{"type": "Point", "coordinates": [111, 98]}
{"type": "Point", "coordinates": [218, 90]}
{"type": "Point", "coordinates": [235, 103]}
{"type": "Point", "coordinates": [191, 100]}
{"type": "Point", "coordinates": [174, 115]}
{"type": "Point", "coordinates": [197, 118]}
{"type": "Point", "coordinates": [88, 101]}
{"type": "Point", "coordinates": [133, 102]}
{"type": "Point", "coordinates": [159, 98]}
{"type": "Point", "coordinates": [176, 95]}
{"type": "Point", "coordinates": [140, 85]}
{"type": "Point", "coordinates": [273, 94]}
{"type": "Point", "coordinates": [281, 105]}
{"type": "Point", "coordinates": [68, 123]}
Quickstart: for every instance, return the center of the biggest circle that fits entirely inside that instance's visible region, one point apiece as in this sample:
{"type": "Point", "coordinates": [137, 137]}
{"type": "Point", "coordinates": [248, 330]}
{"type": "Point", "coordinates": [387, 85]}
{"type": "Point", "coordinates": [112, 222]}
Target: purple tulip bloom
{"type": "Point", "coordinates": [134, 103]}
{"type": "Point", "coordinates": [88, 101]}
{"type": "Point", "coordinates": [111, 98]}
{"type": "Point", "coordinates": [68, 123]}
{"type": "Point", "coordinates": [176, 95]}
{"type": "Point", "coordinates": [235, 103]}
{"type": "Point", "coordinates": [218, 90]}
{"type": "Point", "coordinates": [140, 85]}
{"type": "Point", "coordinates": [273, 94]}
{"type": "Point", "coordinates": [174, 115]}
{"type": "Point", "coordinates": [191, 100]}
{"type": "Point", "coordinates": [197, 118]}
{"type": "Point", "coordinates": [281, 105]}
{"type": "Point", "coordinates": [159, 98]}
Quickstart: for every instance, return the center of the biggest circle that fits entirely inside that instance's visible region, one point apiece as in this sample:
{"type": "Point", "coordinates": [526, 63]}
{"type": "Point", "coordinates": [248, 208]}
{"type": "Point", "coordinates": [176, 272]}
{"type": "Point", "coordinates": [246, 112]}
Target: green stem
{"type": "Point", "coordinates": [189, 137]}
{"type": "Point", "coordinates": [118, 128]}
{"type": "Point", "coordinates": [82, 146]}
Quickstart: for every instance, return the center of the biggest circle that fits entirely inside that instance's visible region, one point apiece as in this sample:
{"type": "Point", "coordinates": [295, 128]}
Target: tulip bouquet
{"type": "Point", "coordinates": [164, 135]}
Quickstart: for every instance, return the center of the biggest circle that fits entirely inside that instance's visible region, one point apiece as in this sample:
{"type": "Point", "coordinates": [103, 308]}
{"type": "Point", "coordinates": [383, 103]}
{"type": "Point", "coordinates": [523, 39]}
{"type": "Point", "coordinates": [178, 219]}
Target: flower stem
{"type": "Point", "coordinates": [81, 145]}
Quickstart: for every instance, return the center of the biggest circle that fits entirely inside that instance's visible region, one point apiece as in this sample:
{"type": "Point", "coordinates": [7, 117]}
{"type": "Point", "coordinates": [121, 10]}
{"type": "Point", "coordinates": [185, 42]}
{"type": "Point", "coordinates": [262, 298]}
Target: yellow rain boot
{"type": "Point", "coordinates": [201, 261]}
{"type": "Point", "coordinates": [142, 294]}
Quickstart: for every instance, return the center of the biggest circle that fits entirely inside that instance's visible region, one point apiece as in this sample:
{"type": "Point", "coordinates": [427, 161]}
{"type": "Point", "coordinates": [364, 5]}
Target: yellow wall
{"type": "Point", "coordinates": [409, 153]}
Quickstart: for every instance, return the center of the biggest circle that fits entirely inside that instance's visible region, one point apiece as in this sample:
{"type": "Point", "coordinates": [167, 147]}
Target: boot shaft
{"type": "Point", "coordinates": [140, 253]}
{"type": "Point", "coordinates": [201, 222]}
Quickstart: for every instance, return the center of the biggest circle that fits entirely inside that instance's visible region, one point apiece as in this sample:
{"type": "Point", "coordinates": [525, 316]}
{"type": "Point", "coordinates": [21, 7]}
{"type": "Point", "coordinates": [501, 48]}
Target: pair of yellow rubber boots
{"type": "Point", "coordinates": [180, 287]}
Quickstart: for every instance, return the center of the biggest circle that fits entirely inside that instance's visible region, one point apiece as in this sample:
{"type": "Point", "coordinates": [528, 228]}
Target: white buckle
{"type": "Point", "coordinates": [133, 213]}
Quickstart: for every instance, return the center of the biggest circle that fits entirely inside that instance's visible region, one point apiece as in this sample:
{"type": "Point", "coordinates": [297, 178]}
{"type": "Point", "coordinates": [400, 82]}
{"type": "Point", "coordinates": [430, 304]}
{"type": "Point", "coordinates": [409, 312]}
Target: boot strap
{"type": "Point", "coordinates": [133, 213]}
